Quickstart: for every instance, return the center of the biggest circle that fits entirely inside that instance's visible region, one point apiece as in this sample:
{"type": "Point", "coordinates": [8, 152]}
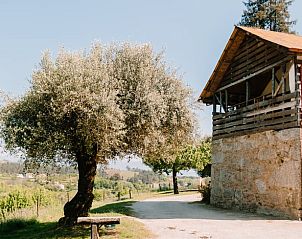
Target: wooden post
{"type": "Point", "coordinates": [104, 195]}
{"type": "Point", "coordinates": [226, 101]}
{"type": "Point", "coordinates": [94, 231]}
{"type": "Point", "coordinates": [220, 101]}
{"type": "Point", "coordinates": [300, 72]}
{"type": "Point", "coordinates": [214, 104]}
{"type": "Point", "coordinates": [273, 82]}
{"type": "Point", "coordinates": [297, 73]}
{"type": "Point", "coordinates": [130, 193]}
{"type": "Point", "coordinates": [119, 196]}
{"type": "Point", "coordinates": [283, 79]}
{"type": "Point", "coordinates": [247, 93]}
{"type": "Point", "coordinates": [298, 86]}
{"type": "Point", "coordinates": [37, 206]}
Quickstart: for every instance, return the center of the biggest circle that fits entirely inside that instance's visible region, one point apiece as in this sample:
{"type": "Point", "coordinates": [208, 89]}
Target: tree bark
{"type": "Point", "coordinates": [81, 203]}
{"type": "Point", "coordinates": [175, 184]}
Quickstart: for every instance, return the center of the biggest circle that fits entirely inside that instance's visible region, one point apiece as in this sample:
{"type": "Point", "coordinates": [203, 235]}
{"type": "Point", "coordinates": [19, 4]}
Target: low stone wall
{"type": "Point", "coordinates": [259, 172]}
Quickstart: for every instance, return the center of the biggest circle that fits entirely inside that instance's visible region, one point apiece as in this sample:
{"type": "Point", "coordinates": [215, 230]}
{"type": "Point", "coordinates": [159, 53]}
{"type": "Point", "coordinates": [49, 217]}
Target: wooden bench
{"type": "Point", "coordinates": [97, 222]}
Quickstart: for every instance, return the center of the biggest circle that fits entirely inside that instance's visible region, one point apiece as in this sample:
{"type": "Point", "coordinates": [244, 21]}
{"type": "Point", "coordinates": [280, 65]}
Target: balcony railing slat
{"type": "Point", "coordinates": [275, 113]}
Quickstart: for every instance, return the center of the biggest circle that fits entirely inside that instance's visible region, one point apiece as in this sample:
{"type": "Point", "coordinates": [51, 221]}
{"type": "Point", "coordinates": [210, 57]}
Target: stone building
{"type": "Point", "coordinates": [255, 91]}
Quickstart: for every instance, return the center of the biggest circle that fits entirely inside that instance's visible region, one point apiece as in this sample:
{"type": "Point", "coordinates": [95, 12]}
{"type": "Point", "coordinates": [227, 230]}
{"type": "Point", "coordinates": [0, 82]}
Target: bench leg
{"type": "Point", "coordinates": [94, 231]}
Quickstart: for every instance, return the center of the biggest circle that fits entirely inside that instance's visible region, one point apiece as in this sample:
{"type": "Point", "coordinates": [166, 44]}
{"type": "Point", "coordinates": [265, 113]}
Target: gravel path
{"type": "Point", "coordinates": [184, 218]}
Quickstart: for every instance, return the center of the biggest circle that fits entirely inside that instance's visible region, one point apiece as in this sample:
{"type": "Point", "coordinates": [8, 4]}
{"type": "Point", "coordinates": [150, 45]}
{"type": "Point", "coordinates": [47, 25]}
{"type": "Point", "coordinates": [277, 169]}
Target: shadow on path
{"type": "Point", "coordinates": [190, 210]}
{"type": "Point", "coordinates": [123, 207]}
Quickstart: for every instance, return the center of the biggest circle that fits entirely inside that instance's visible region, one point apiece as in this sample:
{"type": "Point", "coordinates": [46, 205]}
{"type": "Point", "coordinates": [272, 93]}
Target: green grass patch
{"type": "Point", "coordinates": [50, 230]}
{"type": "Point", "coordinates": [32, 229]}
{"type": "Point", "coordinates": [16, 224]}
{"type": "Point", "coordinates": [46, 227]}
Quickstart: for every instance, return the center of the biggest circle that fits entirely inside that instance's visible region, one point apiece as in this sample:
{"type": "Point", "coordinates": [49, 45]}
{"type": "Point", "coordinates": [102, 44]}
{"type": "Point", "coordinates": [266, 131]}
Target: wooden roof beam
{"type": "Point", "coordinates": [254, 74]}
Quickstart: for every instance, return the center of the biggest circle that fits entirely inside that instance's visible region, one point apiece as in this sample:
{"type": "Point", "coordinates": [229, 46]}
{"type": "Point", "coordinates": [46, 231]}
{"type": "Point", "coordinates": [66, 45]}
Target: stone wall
{"type": "Point", "coordinates": [259, 172]}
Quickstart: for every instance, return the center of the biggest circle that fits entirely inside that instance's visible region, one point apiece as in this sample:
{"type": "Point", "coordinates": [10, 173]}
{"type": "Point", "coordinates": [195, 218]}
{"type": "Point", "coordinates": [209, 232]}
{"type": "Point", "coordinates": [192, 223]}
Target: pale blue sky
{"type": "Point", "coordinates": [193, 33]}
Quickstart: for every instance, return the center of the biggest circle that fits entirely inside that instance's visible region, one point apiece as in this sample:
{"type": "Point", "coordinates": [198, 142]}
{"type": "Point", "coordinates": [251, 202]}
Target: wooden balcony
{"type": "Point", "coordinates": [261, 114]}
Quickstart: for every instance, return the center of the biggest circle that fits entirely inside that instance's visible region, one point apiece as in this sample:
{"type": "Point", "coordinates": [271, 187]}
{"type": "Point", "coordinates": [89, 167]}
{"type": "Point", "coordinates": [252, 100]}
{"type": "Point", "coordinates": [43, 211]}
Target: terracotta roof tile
{"type": "Point", "coordinates": [291, 41]}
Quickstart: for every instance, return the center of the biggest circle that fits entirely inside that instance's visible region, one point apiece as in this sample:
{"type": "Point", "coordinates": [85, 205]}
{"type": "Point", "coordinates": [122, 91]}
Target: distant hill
{"type": "Point", "coordinates": [123, 173]}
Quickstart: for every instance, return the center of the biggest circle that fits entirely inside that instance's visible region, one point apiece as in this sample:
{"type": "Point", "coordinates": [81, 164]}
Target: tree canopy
{"type": "Point", "coordinates": [90, 106]}
{"type": "Point", "coordinates": [119, 99]}
{"type": "Point", "coordinates": [268, 14]}
{"type": "Point", "coordinates": [192, 156]}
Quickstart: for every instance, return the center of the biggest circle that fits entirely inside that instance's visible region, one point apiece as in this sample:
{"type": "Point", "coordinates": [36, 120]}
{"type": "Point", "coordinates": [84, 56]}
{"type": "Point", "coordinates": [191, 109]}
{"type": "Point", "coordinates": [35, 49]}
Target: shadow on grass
{"type": "Point", "coordinates": [22, 228]}
{"type": "Point", "coordinates": [170, 192]}
{"type": "Point", "coordinates": [123, 207]}
{"type": "Point", "coordinates": [165, 192]}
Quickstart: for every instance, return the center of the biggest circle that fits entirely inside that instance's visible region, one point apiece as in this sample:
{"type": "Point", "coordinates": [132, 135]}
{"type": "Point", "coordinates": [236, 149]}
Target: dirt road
{"type": "Point", "coordinates": [181, 217]}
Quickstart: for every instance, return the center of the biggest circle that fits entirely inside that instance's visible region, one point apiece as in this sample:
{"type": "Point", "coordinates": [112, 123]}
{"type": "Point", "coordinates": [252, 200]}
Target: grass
{"type": "Point", "coordinates": [46, 227]}
{"type": "Point", "coordinates": [129, 227]}
{"type": "Point", "coordinates": [49, 230]}
{"type": "Point", "coordinates": [16, 224]}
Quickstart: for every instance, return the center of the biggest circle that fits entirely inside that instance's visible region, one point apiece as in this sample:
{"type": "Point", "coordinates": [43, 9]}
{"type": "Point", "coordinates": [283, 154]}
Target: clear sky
{"type": "Point", "coordinates": [193, 34]}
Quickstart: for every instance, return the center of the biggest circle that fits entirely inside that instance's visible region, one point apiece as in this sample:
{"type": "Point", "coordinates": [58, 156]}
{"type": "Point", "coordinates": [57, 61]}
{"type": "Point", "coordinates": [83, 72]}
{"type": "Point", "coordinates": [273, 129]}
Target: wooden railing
{"type": "Point", "coordinates": [268, 114]}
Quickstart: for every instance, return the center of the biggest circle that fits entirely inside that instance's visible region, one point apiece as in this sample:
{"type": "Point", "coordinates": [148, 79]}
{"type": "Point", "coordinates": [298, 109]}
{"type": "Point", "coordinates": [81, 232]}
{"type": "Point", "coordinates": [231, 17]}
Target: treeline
{"type": "Point", "coordinates": [11, 167]}
{"type": "Point", "coordinates": [7, 167]}
{"type": "Point", "coordinates": [110, 186]}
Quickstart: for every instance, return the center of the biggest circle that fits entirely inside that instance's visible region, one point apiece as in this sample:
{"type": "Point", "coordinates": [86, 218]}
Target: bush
{"type": "Point", "coordinates": [101, 194]}
{"type": "Point", "coordinates": [205, 193]}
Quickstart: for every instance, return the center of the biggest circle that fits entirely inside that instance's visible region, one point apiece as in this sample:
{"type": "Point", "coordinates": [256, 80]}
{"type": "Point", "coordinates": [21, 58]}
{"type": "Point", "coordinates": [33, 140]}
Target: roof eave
{"type": "Point", "coordinates": [295, 50]}
{"type": "Point", "coordinates": [207, 91]}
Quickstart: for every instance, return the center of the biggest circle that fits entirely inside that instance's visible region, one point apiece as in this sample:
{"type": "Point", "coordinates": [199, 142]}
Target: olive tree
{"type": "Point", "coordinates": [88, 107]}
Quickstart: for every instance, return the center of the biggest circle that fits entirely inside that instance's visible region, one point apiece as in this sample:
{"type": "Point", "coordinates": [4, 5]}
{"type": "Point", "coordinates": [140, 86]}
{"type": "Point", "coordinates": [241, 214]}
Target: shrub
{"type": "Point", "coordinates": [205, 193]}
{"type": "Point", "coordinates": [101, 194]}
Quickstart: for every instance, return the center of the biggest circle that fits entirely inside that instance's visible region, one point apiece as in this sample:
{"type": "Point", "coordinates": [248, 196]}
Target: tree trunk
{"type": "Point", "coordinates": [81, 203]}
{"type": "Point", "coordinates": [175, 185]}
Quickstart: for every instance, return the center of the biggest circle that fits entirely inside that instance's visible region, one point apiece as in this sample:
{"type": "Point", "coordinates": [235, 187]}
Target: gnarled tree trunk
{"type": "Point", "coordinates": [175, 184]}
{"type": "Point", "coordinates": [81, 203]}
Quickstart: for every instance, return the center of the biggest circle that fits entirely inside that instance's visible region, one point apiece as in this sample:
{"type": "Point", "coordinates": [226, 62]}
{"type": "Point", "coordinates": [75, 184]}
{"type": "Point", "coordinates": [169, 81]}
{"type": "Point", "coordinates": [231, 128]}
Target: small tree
{"type": "Point", "coordinates": [89, 107]}
{"type": "Point", "coordinates": [169, 166]}
{"type": "Point", "coordinates": [190, 157]}
{"type": "Point", "coordinates": [268, 14]}
{"type": "Point", "coordinates": [201, 156]}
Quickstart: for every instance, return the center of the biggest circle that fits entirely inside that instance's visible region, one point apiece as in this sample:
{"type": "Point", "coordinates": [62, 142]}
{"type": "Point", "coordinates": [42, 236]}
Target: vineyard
{"type": "Point", "coordinates": [19, 199]}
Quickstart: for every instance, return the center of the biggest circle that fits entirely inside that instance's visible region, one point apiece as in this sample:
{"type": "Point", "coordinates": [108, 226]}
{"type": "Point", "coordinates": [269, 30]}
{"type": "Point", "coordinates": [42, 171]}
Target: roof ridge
{"type": "Point", "coordinates": [267, 30]}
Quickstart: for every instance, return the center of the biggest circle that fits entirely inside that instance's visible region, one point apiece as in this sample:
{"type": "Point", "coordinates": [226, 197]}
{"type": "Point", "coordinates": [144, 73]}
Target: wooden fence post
{"type": "Point", "coordinates": [104, 195]}
{"type": "Point", "coordinates": [37, 206]}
